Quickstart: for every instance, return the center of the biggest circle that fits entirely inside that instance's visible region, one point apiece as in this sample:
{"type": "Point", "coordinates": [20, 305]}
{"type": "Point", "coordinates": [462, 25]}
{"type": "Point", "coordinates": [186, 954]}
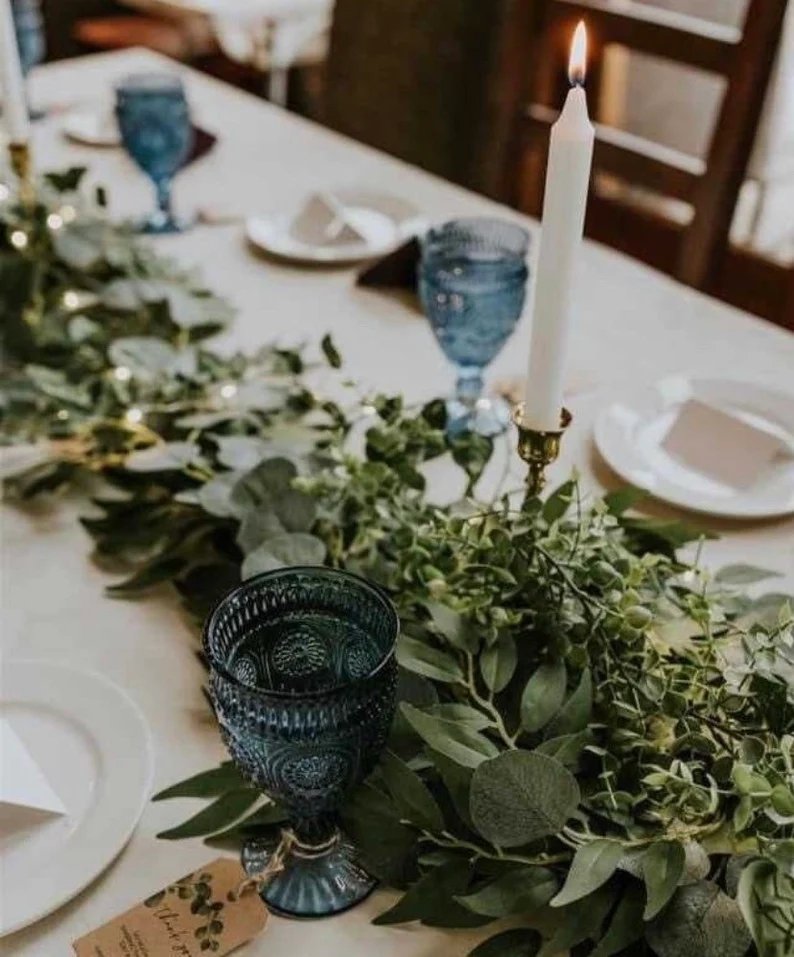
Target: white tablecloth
{"type": "Point", "coordinates": [632, 326]}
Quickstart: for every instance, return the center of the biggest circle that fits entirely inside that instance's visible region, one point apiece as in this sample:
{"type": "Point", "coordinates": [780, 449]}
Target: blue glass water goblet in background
{"type": "Point", "coordinates": [302, 678]}
{"type": "Point", "coordinates": [29, 30]}
{"type": "Point", "coordinates": [472, 283]}
{"type": "Point", "coordinates": [154, 120]}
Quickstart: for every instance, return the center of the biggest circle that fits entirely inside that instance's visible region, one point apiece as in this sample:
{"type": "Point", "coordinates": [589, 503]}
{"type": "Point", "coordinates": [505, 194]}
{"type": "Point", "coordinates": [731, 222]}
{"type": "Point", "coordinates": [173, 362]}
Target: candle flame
{"type": "Point", "coordinates": [578, 62]}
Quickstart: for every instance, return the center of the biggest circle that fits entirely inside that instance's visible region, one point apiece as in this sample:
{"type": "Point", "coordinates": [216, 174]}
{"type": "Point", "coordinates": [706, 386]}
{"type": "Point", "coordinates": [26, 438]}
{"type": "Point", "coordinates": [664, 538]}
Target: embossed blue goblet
{"type": "Point", "coordinates": [472, 283]}
{"type": "Point", "coordinates": [154, 120]}
{"type": "Point", "coordinates": [302, 677]}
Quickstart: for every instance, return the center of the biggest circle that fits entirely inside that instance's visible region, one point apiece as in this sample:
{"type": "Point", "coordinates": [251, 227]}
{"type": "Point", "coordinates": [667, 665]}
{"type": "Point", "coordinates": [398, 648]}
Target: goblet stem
{"type": "Point", "coordinates": [469, 385]}
{"type": "Point", "coordinates": [165, 213]}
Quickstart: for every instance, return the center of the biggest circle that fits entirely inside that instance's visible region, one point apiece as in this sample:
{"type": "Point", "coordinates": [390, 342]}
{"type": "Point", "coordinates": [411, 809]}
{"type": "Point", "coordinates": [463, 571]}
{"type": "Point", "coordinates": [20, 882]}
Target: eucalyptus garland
{"type": "Point", "coordinates": [594, 736]}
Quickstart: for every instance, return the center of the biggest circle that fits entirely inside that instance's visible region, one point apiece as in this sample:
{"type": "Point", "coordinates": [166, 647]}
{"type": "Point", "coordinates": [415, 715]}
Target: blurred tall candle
{"type": "Point", "coordinates": [15, 105]}
{"type": "Point", "coordinates": [567, 179]}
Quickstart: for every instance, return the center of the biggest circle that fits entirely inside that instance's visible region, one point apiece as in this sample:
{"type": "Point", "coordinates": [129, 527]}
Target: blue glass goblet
{"type": "Point", "coordinates": [154, 120]}
{"type": "Point", "coordinates": [29, 30]}
{"type": "Point", "coordinates": [472, 283]}
{"type": "Point", "coordinates": [302, 678]}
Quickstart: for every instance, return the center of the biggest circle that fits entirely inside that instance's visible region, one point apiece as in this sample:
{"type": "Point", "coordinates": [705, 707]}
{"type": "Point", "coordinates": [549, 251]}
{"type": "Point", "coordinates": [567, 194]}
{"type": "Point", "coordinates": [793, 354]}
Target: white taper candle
{"type": "Point", "coordinates": [564, 204]}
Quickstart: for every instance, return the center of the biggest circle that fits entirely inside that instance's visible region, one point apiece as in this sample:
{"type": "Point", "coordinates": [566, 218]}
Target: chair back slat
{"type": "Point", "coordinates": [646, 29]}
{"type": "Point", "coordinates": [693, 250]}
{"type": "Point", "coordinates": [629, 157]}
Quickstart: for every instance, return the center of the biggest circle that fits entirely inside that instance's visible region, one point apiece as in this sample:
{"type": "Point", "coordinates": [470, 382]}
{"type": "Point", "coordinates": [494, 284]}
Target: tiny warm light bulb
{"type": "Point", "coordinates": [577, 65]}
{"type": "Point", "coordinates": [68, 213]}
{"type": "Point", "coordinates": [122, 373]}
{"type": "Point", "coordinates": [70, 299]}
{"type": "Point", "coordinates": [229, 391]}
{"type": "Point", "coordinates": [19, 239]}
{"type": "Point", "coordinates": [133, 416]}
{"type": "Point", "coordinates": [55, 221]}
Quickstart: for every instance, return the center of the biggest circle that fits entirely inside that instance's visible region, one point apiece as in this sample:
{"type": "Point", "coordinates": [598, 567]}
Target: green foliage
{"type": "Point", "coordinates": [594, 736]}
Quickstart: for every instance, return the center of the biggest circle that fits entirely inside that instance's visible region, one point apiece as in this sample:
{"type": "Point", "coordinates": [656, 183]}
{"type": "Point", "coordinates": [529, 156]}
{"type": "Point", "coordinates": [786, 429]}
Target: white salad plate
{"type": "Point", "coordinates": [631, 430]}
{"type": "Point", "coordinates": [93, 746]}
{"type": "Point", "coordinates": [92, 127]}
{"type": "Point", "coordinates": [383, 222]}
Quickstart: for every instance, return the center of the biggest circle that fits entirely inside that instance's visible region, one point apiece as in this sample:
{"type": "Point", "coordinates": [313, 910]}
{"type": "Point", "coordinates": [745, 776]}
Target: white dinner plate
{"type": "Point", "coordinates": [93, 745]}
{"type": "Point", "coordinates": [384, 221]}
{"type": "Point", "coordinates": [630, 431]}
{"type": "Point", "coordinates": [94, 127]}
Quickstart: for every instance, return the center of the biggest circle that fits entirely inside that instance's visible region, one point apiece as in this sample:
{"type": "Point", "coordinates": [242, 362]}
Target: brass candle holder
{"type": "Point", "coordinates": [21, 164]}
{"type": "Point", "coordinates": [538, 449]}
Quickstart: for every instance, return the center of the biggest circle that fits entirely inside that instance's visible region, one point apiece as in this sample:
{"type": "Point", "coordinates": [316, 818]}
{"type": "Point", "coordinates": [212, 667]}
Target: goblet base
{"type": "Point", "coordinates": [310, 886]}
{"type": "Point", "coordinates": [487, 416]}
{"type": "Point", "coordinates": [159, 224]}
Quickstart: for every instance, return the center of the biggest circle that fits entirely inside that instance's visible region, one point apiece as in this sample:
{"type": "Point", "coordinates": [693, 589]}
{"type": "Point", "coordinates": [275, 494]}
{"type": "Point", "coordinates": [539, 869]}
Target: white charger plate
{"type": "Point", "coordinates": [384, 221]}
{"type": "Point", "coordinates": [629, 433]}
{"type": "Point", "coordinates": [92, 127]}
{"type": "Point", "coordinates": [94, 747]}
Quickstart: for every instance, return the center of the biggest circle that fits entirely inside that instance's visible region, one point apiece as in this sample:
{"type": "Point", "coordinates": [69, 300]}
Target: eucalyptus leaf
{"type": "Point", "coordinates": [432, 901]}
{"type": "Point", "coordinates": [517, 942]}
{"type": "Point", "coordinates": [147, 357]}
{"type": "Point", "coordinates": [623, 499]}
{"type": "Point", "coordinates": [766, 901]}
{"type": "Point", "coordinates": [700, 921]}
{"type": "Point", "coordinates": [256, 528]}
{"type": "Point", "coordinates": [519, 890]}
{"type": "Point", "coordinates": [744, 575]}
{"type": "Point", "coordinates": [498, 663]}
{"type": "Point", "coordinates": [210, 783]}
{"type": "Point", "coordinates": [567, 748]}
{"type": "Point", "coordinates": [521, 796]}
{"type": "Point", "coordinates": [662, 869]}
{"type": "Point", "coordinates": [452, 625]}
{"type": "Point", "coordinates": [463, 746]}
{"type": "Point", "coordinates": [457, 781]}
{"type": "Point", "coordinates": [424, 659]}
{"type": "Point", "coordinates": [579, 921]}
{"type": "Point", "coordinates": [543, 695]}
{"type": "Point", "coordinates": [221, 814]}
{"type": "Point", "coordinates": [410, 794]}
{"type": "Point", "coordinates": [215, 496]}
{"type": "Point", "coordinates": [559, 501]}
{"type": "Point", "coordinates": [626, 925]}
{"type": "Point", "coordinates": [281, 551]}
{"type": "Point", "coordinates": [462, 714]}
{"type": "Point", "coordinates": [240, 451]}
{"type": "Point", "coordinates": [592, 865]}
{"type": "Point", "coordinates": [575, 713]}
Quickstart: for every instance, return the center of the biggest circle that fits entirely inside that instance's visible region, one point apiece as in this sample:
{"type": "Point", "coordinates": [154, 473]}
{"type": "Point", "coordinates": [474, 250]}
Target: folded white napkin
{"type": "Point", "coordinates": [322, 221]}
{"type": "Point", "coordinates": [23, 784]}
{"type": "Point", "coordinates": [724, 446]}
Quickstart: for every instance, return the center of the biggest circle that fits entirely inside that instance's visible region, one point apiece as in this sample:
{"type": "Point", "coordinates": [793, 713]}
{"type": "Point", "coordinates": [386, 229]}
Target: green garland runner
{"type": "Point", "coordinates": [593, 734]}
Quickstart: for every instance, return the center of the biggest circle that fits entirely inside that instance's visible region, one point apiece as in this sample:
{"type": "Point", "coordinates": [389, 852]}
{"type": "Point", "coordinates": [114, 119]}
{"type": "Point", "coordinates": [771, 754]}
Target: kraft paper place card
{"type": "Point", "coordinates": [196, 916]}
{"type": "Point", "coordinates": [723, 446]}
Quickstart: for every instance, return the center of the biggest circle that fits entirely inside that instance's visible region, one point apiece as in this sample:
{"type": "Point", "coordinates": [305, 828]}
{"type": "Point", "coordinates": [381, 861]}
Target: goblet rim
{"type": "Point", "coordinates": [169, 82]}
{"type": "Point", "coordinates": [312, 694]}
{"type": "Point", "coordinates": [440, 232]}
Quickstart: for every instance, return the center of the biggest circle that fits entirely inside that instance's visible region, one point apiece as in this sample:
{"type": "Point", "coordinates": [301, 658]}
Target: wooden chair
{"type": "Point", "coordinates": [421, 79]}
{"type": "Point", "coordinates": [694, 251]}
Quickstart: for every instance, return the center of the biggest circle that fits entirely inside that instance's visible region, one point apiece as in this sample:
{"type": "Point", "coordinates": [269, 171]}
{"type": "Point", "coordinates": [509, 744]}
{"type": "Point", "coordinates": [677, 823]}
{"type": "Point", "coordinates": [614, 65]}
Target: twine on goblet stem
{"type": "Point", "coordinates": [19, 154]}
{"type": "Point", "coordinates": [538, 448]}
{"type": "Point", "coordinates": [288, 846]}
